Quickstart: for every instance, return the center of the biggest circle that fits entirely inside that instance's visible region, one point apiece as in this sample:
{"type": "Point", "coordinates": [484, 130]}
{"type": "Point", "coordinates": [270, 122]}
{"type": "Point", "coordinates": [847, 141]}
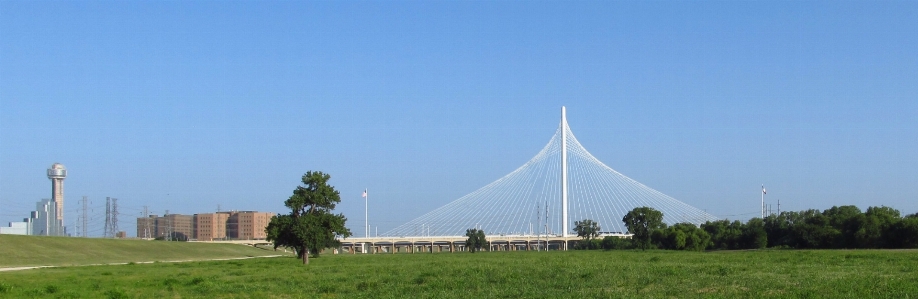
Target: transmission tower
{"type": "Point", "coordinates": [114, 217]}
{"type": "Point", "coordinates": [107, 233]}
{"type": "Point", "coordinates": [168, 226]}
{"type": "Point", "coordinates": [146, 223]}
{"type": "Point", "coordinates": [83, 218]}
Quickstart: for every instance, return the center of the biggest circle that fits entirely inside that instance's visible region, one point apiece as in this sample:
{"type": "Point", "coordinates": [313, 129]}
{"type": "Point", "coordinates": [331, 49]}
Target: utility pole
{"type": "Point", "coordinates": [539, 221]}
{"type": "Point", "coordinates": [366, 214]}
{"type": "Point", "coordinates": [546, 226]}
{"type": "Point", "coordinates": [763, 201]}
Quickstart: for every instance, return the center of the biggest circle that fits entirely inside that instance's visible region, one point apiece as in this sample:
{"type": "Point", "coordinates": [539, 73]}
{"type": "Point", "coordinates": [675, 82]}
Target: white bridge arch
{"type": "Point", "coordinates": [565, 181]}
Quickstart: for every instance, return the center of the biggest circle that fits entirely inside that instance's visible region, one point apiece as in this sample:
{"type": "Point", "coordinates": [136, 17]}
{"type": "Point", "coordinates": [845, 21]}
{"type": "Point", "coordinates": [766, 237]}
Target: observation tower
{"type": "Point", "coordinates": [57, 173]}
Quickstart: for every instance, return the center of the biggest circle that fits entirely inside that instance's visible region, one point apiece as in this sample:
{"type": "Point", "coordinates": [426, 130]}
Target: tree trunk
{"type": "Point", "coordinates": [305, 256]}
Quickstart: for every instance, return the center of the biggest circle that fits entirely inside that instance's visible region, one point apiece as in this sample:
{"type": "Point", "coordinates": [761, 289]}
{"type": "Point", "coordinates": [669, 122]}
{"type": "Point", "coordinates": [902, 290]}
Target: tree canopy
{"type": "Point", "coordinates": [682, 236]}
{"type": "Point", "coordinates": [641, 222]}
{"type": "Point", "coordinates": [476, 240]}
{"type": "Point", "coordinates": [310, 226]}
{"type": "Point", "coordinates": [587, 230]}
{"type": "Point", "coordinates": [836, 227]}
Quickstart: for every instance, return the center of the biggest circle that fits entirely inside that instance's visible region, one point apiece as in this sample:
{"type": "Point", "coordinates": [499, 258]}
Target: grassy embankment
{"type": "Point", "coordinates": [592, 274]}
{"type": "Point", "coordinates": [18, 251]}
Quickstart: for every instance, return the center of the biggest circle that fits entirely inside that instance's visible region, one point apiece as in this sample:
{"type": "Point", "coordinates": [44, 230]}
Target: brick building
{"type": "Point", "coordinates": [251, 225]}
{"type": "Point", "coordinates": [146, 227]}
{"type": "Point", "coordinates": [175, 226]}
{"type": "Point", "coordinates": [233, 225]}
{"type": "Point", "coordinates": [210, 226]}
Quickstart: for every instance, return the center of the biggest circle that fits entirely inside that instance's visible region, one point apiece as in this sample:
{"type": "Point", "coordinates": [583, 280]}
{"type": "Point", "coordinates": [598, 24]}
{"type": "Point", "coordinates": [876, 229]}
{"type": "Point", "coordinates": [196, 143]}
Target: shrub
{"type": "Point", "coordinates": [116, 294]}
{"type": "Point", "coordinates": [51, 289]}
{"type": "Point", "coordinates": [613, 243]}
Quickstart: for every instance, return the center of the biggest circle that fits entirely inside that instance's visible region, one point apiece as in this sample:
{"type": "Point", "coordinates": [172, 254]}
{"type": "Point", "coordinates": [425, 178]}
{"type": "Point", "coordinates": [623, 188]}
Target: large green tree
{"type": "Point", "coordinates": [476, 240]}
{"type": "Point", "coordinates": [847, 220]}
{"type": "Point", "coordinates": [754, 234]}
{"type": "Point", "coordinates": [641, 222]}
{"type": "Point", "coordinates": [310, 226]}
{"type": "Point", "coordinates": [587, 230]}
{"type": "Point", "coordinates": [682, 236]}
{"type": "Point", "coordinates": [904, 233]}
{"type": "Point", "coordinates": [876, 223]}
{"type": "Point", "coordinates": [724, 234]}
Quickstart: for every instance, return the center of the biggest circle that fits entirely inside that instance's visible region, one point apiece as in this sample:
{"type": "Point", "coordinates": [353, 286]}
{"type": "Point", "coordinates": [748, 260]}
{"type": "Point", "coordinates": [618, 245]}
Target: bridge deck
{"type": "Point", "coordinates": [442, 243]}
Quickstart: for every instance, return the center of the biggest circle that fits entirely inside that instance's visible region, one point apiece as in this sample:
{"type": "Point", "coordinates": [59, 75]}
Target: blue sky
{"type": "Point", "coordinates": [187, 106]}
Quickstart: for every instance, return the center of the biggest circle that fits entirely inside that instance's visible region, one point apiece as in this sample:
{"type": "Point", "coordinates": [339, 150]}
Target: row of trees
{"type": "Point", "coordinates": [838, 227]}
{"type": "Point", "coordinates": [311, 226]}
{"type": "Point", "coordinates": [842, 227]}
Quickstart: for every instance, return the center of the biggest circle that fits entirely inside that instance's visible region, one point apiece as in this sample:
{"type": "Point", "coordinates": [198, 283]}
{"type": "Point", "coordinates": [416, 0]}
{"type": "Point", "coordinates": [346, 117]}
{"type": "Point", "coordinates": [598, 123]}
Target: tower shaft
{"type": "Point", "coordinates": [563, 171]}
{"type": "Point", "coordinates": [57, 195]}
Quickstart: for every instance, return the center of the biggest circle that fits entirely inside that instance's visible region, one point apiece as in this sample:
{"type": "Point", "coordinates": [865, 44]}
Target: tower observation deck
{"type": "Point", "coordinates": [563, 183]}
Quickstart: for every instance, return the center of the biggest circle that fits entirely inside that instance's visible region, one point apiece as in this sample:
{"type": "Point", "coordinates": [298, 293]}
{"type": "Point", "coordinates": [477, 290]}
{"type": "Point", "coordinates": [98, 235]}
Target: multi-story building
{"type": "Point", "coordinates": [210, 226]}
{"type": "Point", "coordinates": [44, 220]}
{"type": "Point", "coordinates": [175, 226]}
{"type": "Point", "coordinates": [244, 225]}
{"type": "Point", "coordinates": [251, 225]}
{"type": "Point", "coordinates": [146, 227]}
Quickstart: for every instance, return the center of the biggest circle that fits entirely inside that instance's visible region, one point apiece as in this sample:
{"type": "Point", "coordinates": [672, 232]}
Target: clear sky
{"type": "Point", "coordinates": [190, 105]}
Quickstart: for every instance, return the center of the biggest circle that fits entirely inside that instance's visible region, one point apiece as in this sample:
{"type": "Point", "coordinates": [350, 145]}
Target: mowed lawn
{"type": "Point", "coordinates": [581, 274]}
{"type": "Point", "coordinates": [63, 251]}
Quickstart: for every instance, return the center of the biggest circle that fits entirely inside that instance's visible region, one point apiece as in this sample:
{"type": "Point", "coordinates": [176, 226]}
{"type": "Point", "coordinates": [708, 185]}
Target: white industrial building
{"type": "Point", "coordinates": [48, 217]}
{"type": "Point", "coordinates": [42, 222]}
{"type": "Point", "coordinates": [16, 228]}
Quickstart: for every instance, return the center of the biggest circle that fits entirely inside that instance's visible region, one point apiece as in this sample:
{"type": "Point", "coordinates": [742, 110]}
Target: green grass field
{"type": "Point", "coordinates": [61, 251]}
{"type": "Point", "coordinates": [589, 274]}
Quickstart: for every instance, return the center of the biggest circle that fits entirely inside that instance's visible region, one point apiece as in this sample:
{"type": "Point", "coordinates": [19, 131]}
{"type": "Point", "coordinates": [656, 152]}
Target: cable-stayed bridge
{"type": "Point", "coordinates": [562, 184]}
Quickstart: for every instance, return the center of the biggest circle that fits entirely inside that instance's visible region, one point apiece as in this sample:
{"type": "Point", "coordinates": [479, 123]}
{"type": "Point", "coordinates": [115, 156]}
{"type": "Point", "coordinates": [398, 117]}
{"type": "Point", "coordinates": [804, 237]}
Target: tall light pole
{"type": "Point", "coordinates": [366, 214]}
{"type": "Point", "coordinates": [763, 201]}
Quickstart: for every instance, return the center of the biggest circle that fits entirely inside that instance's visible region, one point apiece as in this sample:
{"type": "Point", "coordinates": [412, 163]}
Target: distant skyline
{"type": "Point", "coordinates": [187, 106]}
